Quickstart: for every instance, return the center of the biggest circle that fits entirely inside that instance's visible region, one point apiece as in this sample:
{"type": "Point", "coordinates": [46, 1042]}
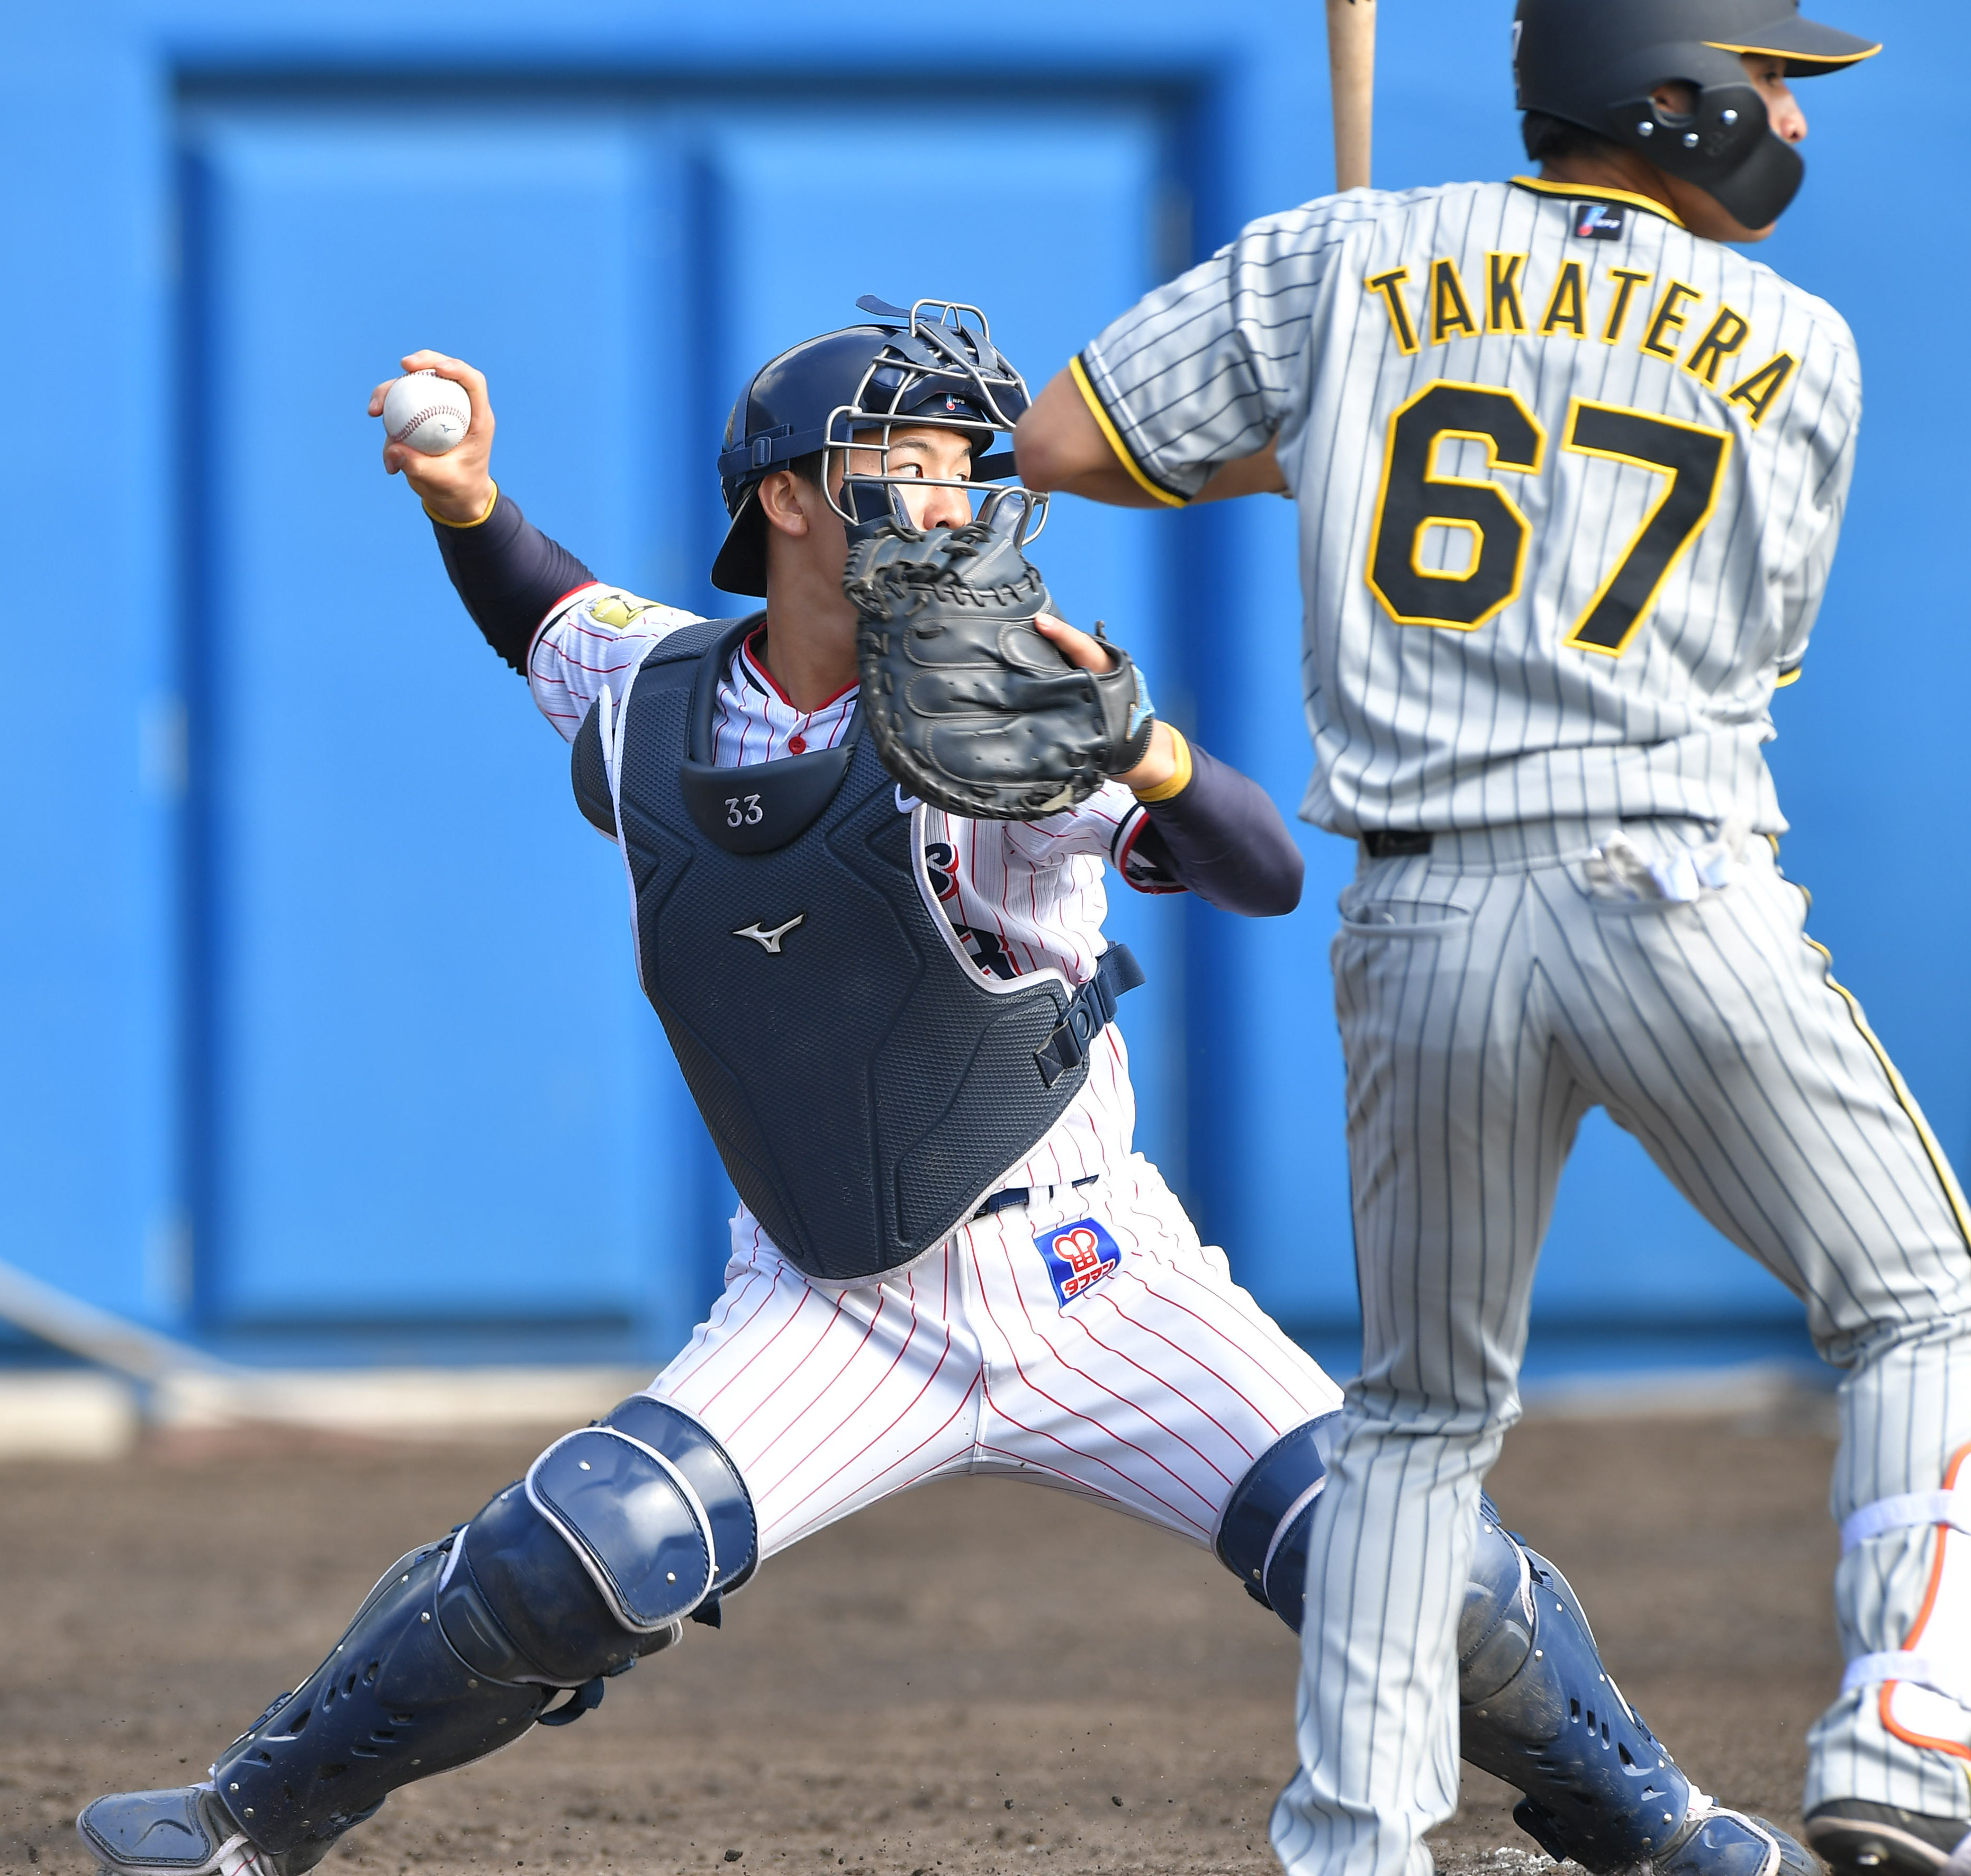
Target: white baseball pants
{"type": "Point", "coordinates": [1152, 1386]}
{"type": "Point", "coordinates": [1489, 995]}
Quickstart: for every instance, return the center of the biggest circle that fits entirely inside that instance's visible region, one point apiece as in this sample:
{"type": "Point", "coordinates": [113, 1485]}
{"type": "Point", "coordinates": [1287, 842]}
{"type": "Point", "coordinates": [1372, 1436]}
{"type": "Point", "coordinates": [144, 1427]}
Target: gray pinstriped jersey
{"type": "Point", "coordinates": [1569, 480]}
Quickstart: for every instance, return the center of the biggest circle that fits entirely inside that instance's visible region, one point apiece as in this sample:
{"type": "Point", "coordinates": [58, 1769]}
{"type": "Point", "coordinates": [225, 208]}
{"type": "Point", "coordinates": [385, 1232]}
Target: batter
{"type": "Point", "coordinates": [1570, 471]}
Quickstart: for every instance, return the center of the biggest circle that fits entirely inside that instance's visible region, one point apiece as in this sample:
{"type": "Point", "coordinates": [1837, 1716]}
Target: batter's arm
{"type": "Point", "coordinates": [1061, 444]}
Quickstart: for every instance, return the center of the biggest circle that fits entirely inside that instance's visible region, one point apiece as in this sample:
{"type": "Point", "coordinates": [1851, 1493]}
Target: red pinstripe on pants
{"type": "Point", "coordinates": [1153, 1390]}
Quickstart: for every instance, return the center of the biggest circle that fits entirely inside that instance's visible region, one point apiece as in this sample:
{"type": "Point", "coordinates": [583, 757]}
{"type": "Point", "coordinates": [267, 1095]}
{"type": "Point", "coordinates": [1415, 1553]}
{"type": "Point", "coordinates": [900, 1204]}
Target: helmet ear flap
{"type": "Point", "coordinates": [1725, 145]}
{"type": "Point", "coordinates": [1598, 63]}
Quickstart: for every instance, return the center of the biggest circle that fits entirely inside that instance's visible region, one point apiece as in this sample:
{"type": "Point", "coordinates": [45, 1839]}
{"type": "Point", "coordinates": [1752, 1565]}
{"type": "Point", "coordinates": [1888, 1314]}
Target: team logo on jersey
{"type": "Point", "coordinates": [770, 942]}
{"type": "Point", "coordinates": [1078, 1256]}
{"type": "Point", "coordinates": [1599, 221]}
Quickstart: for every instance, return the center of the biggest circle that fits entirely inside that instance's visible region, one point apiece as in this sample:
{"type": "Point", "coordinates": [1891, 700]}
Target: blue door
{"type": "Point", "coordinates": [427, 1089]}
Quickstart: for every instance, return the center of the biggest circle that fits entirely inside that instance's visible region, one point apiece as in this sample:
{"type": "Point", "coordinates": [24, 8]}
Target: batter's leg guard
{"type": "Point", "coordinates": [1538, 1709]}
{"type": "Point", "coordinates": [617, 1535]}
{"type": "Point", "coordinates": [1921, 1692]}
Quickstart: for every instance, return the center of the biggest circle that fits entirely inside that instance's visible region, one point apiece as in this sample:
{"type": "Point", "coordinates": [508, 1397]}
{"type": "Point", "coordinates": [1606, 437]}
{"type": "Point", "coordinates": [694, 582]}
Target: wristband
{"type": "Point", "coordinates": [492, 502]}
{"type": "Point", "coordinates": [1175, 784]}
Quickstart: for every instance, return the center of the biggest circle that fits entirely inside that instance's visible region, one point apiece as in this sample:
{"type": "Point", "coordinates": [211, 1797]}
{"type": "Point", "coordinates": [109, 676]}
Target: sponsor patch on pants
{"type": "Point", "coordinates": [1078, 1255]}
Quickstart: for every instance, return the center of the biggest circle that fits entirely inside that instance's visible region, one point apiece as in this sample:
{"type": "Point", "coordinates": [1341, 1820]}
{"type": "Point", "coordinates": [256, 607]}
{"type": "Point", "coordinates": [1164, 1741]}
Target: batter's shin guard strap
{"type": "Point", "coordinates": [1539, 1710]}
{"type": "Point", "coordinates": [1921, 1690]}
{"type": "Point", "coordinates": [1262, 1533]}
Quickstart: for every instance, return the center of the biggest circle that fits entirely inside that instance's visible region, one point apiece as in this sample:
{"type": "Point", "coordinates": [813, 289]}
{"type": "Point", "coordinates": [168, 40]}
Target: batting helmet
{"type": "Point", "coordinates": [1596, 63]}
{"type": "Point", "coordinates": [934, 365]}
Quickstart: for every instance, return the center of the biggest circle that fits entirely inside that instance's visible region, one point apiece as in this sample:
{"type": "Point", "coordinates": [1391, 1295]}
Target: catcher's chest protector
{"type": "Point", "coordinates": [865, 1083]}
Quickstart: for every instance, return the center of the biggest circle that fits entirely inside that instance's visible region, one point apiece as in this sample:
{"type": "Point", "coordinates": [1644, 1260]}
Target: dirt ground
{"type": "Point", "coordinates": [982, 1678]}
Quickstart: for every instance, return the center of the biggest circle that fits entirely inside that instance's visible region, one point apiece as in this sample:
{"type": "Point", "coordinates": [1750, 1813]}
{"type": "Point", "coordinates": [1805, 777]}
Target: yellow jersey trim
{"type": "Point", "coordinates": [1079, 372]}
{"type": "Point", "coordinates": [1170, 790]}
{"type": "Point", "coordinates": [1827, 62]}
{"type": "Point", "coordinates": [1584, 192]}
{"type": "Point", "coordinates": [492, 502]}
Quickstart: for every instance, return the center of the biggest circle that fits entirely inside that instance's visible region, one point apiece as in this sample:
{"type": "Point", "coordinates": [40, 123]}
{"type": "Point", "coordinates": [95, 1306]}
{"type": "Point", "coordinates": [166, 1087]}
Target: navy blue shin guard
{"type": "Point", "coordinates": [618, 1533]}
{"type": "Point", "coordinates": [1536, 1707]}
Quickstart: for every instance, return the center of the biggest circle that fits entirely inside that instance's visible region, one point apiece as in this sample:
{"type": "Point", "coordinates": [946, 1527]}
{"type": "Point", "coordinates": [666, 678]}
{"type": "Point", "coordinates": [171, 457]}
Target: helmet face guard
{"type": "Point", "coordinates": [1598, 63]}
{"type": "Point", "coordinates": [942, 372]}
{"type": "Point", "coordinates": [847, 395]}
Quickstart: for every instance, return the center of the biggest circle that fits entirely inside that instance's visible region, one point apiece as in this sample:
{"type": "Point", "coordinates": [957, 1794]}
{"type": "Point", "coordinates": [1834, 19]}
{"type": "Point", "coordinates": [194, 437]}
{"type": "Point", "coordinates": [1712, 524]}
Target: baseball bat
{"type": "Point", "coordinates": [1351, 68]}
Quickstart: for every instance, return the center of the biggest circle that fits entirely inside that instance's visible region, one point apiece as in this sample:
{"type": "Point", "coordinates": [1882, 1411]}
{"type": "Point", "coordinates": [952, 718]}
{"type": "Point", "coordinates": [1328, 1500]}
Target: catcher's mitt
{"type": "Point", "coordinates": [973, 710]}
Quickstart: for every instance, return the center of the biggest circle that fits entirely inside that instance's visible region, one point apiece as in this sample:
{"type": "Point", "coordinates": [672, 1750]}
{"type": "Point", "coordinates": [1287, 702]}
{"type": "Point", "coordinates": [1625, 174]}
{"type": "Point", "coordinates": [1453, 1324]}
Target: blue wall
{"type": "Point", "coordinates": [322, 1036]}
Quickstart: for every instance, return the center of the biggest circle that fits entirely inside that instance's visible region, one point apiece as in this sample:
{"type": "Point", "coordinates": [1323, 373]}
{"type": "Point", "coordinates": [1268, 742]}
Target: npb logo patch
{"type": "Point", "coordinates": [1078, 1256]}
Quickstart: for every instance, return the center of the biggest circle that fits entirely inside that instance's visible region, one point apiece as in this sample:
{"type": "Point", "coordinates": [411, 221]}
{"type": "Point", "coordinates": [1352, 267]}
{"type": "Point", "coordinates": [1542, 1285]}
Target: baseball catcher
{"type": "Point", "coordinates": [888, 989]}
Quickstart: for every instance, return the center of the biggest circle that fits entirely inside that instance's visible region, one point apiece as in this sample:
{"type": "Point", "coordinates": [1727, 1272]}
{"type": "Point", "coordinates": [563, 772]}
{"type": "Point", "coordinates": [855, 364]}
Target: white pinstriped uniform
{"type": "Point", "coordinates": [1154, 1391]}
{"type": "Point", "coordinates": [1421, 728]}
{"type": "Point", "coordinates": [1152, 1388]}
{"type": "Point", "coordinates": [1661, 432]}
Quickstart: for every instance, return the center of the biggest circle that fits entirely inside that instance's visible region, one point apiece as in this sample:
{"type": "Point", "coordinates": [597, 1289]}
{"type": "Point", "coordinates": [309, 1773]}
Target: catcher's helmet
{"type": "Point", "coordinates": [934, 365]}
{"type": "Point", "coordinates": [1595, 63]}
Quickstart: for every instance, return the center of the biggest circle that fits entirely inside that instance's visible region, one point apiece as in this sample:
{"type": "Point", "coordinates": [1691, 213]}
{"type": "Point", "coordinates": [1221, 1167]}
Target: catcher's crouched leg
{"type": "Point", "coordinates": [617, 1533]}
{"type": "Point", "coordinates": [1538, 1709]}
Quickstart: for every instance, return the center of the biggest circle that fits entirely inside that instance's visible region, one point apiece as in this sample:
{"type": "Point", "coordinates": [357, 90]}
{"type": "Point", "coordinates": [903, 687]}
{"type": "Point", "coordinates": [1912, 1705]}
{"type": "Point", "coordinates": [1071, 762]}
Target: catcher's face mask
{"type": "Point", "coordinates": [944, 372]}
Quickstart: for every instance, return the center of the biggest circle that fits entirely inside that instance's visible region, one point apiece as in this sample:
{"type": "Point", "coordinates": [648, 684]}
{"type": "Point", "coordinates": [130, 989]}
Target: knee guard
{"type": "Point", "coordinates": [1262, 1536]}
{"type": "Point", "coordinates": [1539, 1710]}
{"type": "Point", "coordinates": [617, 1535]}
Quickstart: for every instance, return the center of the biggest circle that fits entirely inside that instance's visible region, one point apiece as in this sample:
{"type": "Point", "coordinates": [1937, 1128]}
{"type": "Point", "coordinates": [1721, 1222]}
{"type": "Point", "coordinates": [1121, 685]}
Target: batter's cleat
{"type": "Point", "coordinates": [184, 1831]}
{"type": "Point", "coordinates": [1714, 1842]}
{"type": "Point", "coordinates": [1854, 1837]}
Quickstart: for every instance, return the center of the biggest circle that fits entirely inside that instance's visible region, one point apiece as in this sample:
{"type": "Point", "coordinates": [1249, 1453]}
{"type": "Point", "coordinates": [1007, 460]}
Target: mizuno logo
{"type": "Point", "coordinates": [770, 942]}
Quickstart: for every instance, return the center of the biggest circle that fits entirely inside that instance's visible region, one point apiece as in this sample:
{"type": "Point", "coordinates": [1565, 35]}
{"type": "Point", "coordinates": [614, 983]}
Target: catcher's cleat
{"type": "Point", "coordinates": [1714, 1842]}
{"type": "Point", "coordinates": [184, 1831]}
{"type": "Point", "coordinates": [1854, 1837]}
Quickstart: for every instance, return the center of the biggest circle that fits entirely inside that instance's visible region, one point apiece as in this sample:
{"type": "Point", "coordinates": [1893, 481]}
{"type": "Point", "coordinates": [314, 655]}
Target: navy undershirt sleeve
{"type": "Point", "coordinates": [508, 573]}
{"type": "Point", "coordinates": [1224, 839]}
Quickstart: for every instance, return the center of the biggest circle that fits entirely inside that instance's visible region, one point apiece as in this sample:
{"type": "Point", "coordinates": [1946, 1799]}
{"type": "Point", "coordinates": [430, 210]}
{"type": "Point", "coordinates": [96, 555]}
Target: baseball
{"type": "Point", "coordinates": [429, 413]}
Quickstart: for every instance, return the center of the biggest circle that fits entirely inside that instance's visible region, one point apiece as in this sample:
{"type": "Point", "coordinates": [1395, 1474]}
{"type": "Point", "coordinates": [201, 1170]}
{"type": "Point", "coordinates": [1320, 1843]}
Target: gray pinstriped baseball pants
{"type": "Point", "coordinates": [1487, 999]}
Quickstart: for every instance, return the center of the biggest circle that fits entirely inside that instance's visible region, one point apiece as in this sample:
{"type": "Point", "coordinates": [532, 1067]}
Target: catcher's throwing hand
{"type": "Point", "coordinates": [457, 487]}
{"type": "Point", "coordinates": [974, 708]}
